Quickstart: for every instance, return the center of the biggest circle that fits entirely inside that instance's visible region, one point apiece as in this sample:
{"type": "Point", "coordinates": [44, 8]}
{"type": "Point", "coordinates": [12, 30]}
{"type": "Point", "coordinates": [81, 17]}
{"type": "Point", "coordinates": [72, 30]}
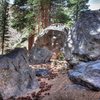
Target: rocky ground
{"type": "Point", "coordinates": [55, 85]}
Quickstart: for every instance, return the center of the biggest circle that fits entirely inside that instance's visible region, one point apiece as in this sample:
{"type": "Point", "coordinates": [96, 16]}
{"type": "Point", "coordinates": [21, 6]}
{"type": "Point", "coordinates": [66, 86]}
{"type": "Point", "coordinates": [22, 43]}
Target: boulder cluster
{"type": "Point", "coordinates": [81, 48]}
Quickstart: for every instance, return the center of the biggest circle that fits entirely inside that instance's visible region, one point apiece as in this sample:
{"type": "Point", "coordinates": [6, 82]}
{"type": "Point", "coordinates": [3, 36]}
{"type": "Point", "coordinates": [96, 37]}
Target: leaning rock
{"type": "Point", "coordinates": [87, 74]}
{"type": "Point", "coordinates": [83, 41]}
{"type": "Point", "coordinates": [39, 55]}
{"type": "Point", "coordinates": [16, 77]}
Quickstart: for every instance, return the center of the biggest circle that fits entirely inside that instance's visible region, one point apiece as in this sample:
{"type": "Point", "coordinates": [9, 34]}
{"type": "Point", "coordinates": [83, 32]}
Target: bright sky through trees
{"type": "Point", "coordinates": [11, 1]}
{"type": "Point", "coordinates": [94, 4]}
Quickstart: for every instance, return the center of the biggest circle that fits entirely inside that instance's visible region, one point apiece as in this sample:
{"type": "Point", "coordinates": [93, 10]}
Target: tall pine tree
{"type": "Point", "coordinates": [4, 23]}
{"type": "Point", "coordinates": [75, 7]}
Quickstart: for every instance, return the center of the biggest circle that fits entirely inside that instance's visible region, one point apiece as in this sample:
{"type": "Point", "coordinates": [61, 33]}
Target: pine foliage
{"type": "Point", "coordinates": [75, 7]}
{"type": "Point", "coordinates": [4, 34]}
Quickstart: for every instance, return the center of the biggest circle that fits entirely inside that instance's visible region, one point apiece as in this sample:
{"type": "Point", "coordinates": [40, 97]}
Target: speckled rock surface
{"type": "Point", "coordinates": [83, 41]}
{"type": "Point", "coordinates": [16, 77]}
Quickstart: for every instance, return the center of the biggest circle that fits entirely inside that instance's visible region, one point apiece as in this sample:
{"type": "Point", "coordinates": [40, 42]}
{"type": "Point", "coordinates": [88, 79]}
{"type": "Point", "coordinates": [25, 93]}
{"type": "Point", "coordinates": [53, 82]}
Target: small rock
{"type": "Point", "coordinates": [42, 72]}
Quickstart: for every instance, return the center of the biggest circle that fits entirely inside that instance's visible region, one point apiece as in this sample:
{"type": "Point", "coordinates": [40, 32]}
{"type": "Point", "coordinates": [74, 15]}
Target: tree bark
{"type": "Point", "coordinates": [30, 42]}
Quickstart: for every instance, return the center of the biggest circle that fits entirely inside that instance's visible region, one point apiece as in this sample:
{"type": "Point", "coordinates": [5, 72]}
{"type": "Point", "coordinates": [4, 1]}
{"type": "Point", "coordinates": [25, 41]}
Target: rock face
{"type": "Point", "coordinates": [53, 37]}
{"type": "Point", "coordinates": [87, 74]}
{"type": "Point", "coordinates": [82, 49]}
{"type": "Point", "coordinates": [39, 55]}
{"type": "Point", "coordinates": [16, 77]}
{"type": "Point", "coordinates": [83, 42]}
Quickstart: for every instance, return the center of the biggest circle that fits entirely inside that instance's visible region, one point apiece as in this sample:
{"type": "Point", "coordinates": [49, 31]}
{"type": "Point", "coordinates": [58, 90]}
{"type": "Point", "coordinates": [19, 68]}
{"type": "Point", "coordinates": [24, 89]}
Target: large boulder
{"type": "Point", "coordinates": [16, 77]}
{"type": "Point", "coordinates": [82, 50]}
{"type": "Point", "coordinates": [87, 74]}
{"type": "Point", "coordinates": [83, 41]}
{"type": "Point", "coordinates": [39, 55]}
{"type": "Point", "coordinates": [52, 37]}
{"type": "Point", "coordinates": [50, 41]}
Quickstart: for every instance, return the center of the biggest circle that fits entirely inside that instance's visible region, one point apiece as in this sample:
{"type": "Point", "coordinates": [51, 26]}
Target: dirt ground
{"type": "Point", "coordinates": [63, 89]}
{"type": "Point", "coordinates": [57, 86]}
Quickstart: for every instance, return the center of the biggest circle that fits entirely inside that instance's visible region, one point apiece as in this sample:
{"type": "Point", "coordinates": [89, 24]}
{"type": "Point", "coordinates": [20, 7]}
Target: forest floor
{"type": "Point", "coordinates": [57, 86]}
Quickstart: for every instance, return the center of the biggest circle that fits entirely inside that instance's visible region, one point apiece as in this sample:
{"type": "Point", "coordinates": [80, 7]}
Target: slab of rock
{"type": "Point", "coordinates": [87, 74]}
{"type": "Point", "coordinates": [16, 77]}
{"type": "Point", "coordinates": [83, 41]}
{"type": "Point", "coordinates": [39, 55]}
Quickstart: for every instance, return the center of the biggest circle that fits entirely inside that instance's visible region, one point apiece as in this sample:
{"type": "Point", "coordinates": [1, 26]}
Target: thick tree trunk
{"type": "Point", "coordinates": [45, 18]}
{"type": "Point", "coordinates": [43, 21]}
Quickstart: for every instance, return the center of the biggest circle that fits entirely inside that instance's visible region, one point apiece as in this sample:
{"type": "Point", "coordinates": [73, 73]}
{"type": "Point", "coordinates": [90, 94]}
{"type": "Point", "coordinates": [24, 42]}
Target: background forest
{"type": "Point", "coordinates": [24, 19]}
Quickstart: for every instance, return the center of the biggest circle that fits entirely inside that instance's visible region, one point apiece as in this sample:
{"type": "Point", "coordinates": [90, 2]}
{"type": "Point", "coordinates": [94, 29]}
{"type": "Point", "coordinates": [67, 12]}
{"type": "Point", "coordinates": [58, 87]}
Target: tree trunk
{"type": "Point", "coordinates": [30, 42]}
